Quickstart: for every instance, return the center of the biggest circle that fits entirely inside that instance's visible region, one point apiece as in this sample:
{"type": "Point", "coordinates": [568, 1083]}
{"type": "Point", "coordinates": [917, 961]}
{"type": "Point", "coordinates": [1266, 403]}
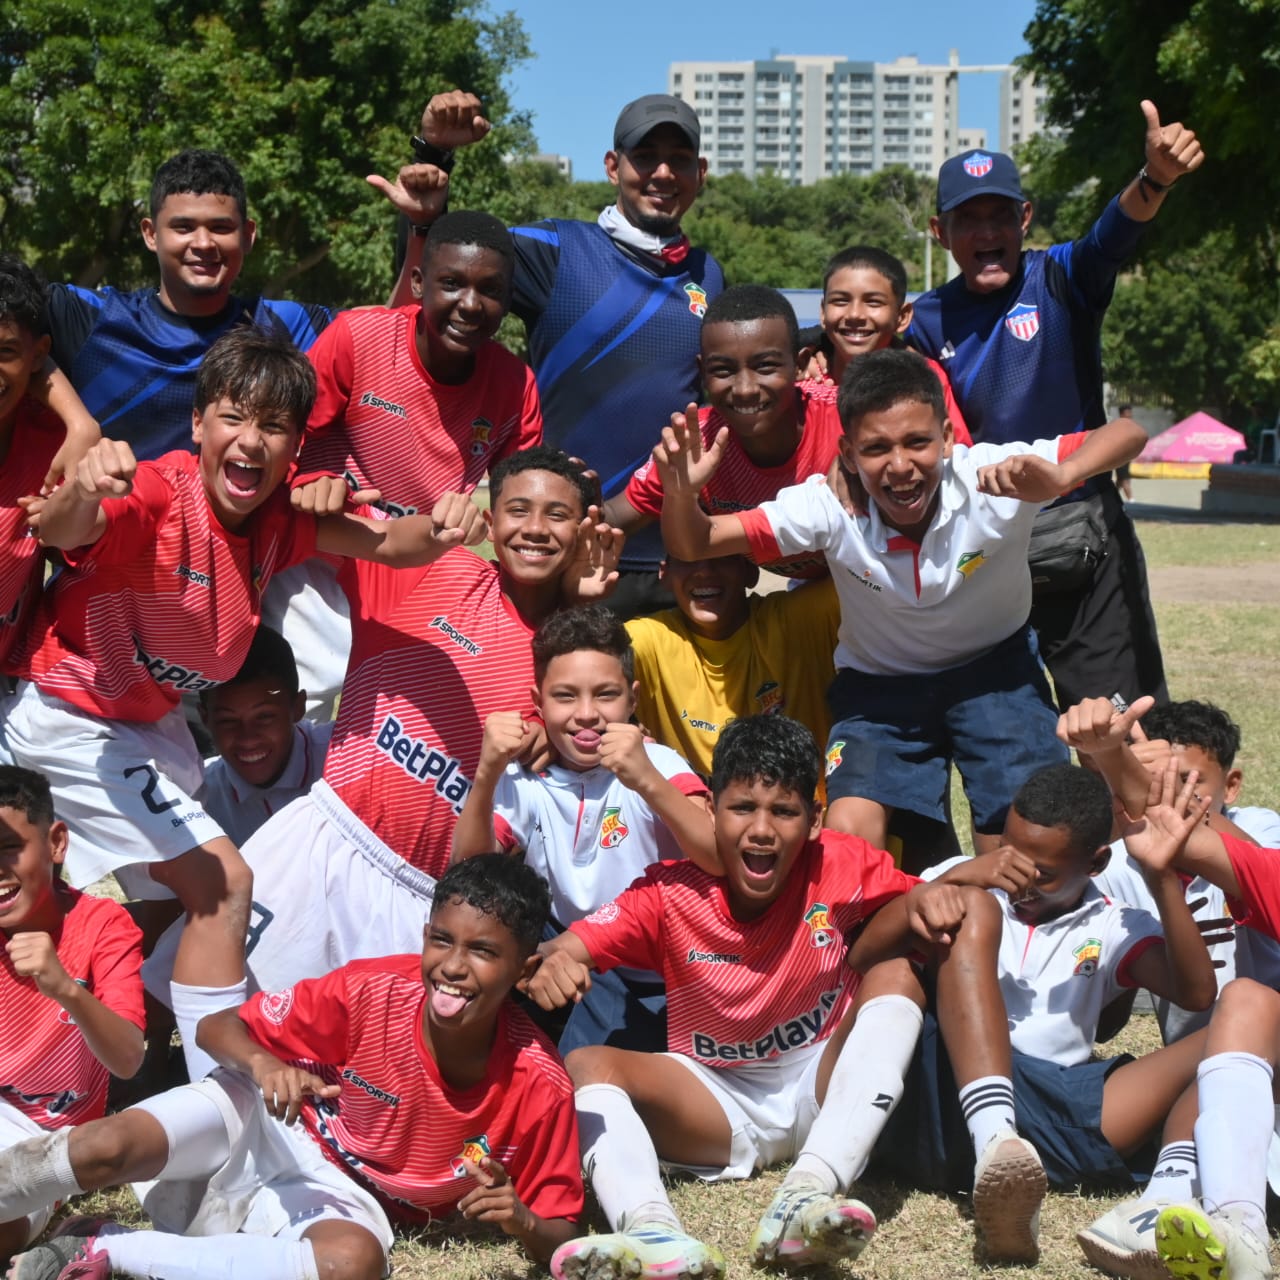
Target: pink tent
{"type": "Point", "coordinates": [1198, 438]}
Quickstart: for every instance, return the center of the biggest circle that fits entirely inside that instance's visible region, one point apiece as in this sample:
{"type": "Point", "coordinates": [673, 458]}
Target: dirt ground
{"type": "Point", "coordinates": [1206, 584]}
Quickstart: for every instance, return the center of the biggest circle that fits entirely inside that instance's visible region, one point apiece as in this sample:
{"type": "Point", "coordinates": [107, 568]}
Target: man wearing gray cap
{"type": "Point", "coordinates": [612, 307]}
{"type": "Point", "coordinates": [1018, 334]}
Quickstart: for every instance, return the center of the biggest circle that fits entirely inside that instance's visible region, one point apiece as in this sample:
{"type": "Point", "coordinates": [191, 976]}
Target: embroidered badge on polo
{"type": "Point", "coordinates": [1023, 321]}
{"type": "Point", "coordinates": [697, 296]}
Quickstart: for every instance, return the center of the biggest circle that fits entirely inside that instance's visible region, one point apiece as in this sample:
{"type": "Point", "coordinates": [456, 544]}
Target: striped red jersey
{"type": "Point", "coordinates": [47, 1070]}
{"type": "Point", "coordinates": [165, 602]}
{"type": "Point", "coordinates": [398, 1128]}
{"type": "Point", "coordinates": [739, 485]}
{"type": "Point", "coordinates": [434, 651]}
{"type": "Point", "coordinates": [383, 421]}
{"type": "Point", "coordinates": [37, 435]}
{"type": "Point", "coordinates": [743, 991]}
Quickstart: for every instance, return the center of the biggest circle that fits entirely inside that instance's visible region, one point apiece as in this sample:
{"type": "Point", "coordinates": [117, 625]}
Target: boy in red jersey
{"type": "Point", "coordinates": [347, 871]}
{"type": "Point", "coordinates": [414, 402]}
{"type": "Point", "coordinates": [166, 562]}
{"type": "Point", "coordinates": [70, 994]}
{"type": "Point", "coordinates": [420, 1089]}
{"type": "Point", "coordinates": [766, 1061]}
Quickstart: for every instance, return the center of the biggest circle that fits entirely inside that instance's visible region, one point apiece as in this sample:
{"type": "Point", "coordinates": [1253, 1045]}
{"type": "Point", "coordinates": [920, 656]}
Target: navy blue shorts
{"type": "Point", "coordinates": [1058, 1109]}
{"type": "Point", "coordinates": [894, 735]}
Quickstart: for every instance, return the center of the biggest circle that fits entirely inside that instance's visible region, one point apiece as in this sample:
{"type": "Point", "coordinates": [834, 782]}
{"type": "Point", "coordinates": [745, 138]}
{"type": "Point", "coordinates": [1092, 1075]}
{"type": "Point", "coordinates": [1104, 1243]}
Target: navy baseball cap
{"type": "Point", "coordinates": [977, 173]}
{"type": "Point", "coordinates": [638, 117]}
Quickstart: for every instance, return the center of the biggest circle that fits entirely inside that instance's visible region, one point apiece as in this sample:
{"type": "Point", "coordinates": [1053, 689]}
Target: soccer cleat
{"type": "Point", "coordinates": [1008, 1186]}
{"type": "Point", "coordinates": [650, 1250]}
{"type": "Point", "coordinates": [803, 1225]}
{"type": "Point", "coordinates": [62, 1257]}
{"type": "Point", "coordinates": [1123, 1241]}
{"type": "Point", "coordinates": [1195, 1245]}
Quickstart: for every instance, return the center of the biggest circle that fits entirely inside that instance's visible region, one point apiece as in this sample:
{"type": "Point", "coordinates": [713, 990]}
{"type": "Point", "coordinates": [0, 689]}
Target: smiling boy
{"type": "Point", "coordinates": [392, 1090]}
{"type": "Point", "coordinates": [935, 659]}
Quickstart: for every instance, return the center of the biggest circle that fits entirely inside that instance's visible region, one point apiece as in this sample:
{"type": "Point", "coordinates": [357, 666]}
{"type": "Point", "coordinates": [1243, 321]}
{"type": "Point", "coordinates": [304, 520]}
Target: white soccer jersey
{"type": "Point", "coordinates": [1248, 955]}
{"type": "Point", "coordinates": [909, 608]}
{"type": "Point", "coordinates": [588, 834]}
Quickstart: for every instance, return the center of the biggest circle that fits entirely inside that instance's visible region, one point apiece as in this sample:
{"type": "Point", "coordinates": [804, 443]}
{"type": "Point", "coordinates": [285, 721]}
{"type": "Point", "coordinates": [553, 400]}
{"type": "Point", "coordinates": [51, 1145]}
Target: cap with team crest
{"type": "Point", "coordinates": [638, 117]}
{"type": "Point", "coordinates": [977, 173]}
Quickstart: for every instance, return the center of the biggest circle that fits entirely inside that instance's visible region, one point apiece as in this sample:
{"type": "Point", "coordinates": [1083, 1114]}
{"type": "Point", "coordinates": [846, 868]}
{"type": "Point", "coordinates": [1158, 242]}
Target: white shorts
{"type": "Point", "coordinates": [770, 1106]}
{"type": "Point", "coordinates": [123, 788]}
{"type": "Point", "coordinates": [326, 890]}
{"type": "Point", "coordinates": [308, 607]}
{"type": "Point", "coordinates": [15, 1127]}
{"type": "Point", "coordinates": [275, 1182]}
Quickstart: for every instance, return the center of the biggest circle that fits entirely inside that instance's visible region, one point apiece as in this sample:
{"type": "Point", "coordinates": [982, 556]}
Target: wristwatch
{"type": "Point", "coordinates": [425, 152]}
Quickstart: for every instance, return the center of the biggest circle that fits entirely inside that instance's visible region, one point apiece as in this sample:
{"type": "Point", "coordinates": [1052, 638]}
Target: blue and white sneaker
{"type": "Point", "coordinates": [1123, 1241]}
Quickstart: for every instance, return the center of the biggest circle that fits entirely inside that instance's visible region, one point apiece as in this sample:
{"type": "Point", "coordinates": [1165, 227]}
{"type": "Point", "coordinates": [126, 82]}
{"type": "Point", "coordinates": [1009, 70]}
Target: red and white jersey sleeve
{"type": "Point", "coordinates": [739, 484]}
{"type": "Point", "coordinates": [38, 434]}
{"type": "Point", "coordinates": [1258, 872]}
{"type": "Point", "coordinates": [47, 1070]}
{"type": "Point", "coordinates": [959, 428]}
{"type": "Point", "coordinates": [434, 651]}
{"type": "Point", "coordinates": [384, 422]}
{"type": "Point", "coordinates": [397, 1126]}
{"type": "Point", "coordinates": [747, 991]}
{"type": "Point", "coordinates": [165, 602]}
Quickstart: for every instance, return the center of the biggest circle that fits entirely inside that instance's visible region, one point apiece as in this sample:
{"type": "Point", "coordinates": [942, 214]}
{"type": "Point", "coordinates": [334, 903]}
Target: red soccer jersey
{"type": "Point", "coordinates": [165, 602]}
{"type": "Point", "coordinates": [743, 991]}
{"type": "Point", "coordinates": [382, 420]}
{"type": "Point", "coordinates": [38, 434]}
{"type": "Point", "coordinates": [47, 1071]}
{"type": "Point", "coordinates": [740, 485]}
{"type": "Point", "coordinates": [1258, 871]}
{"type": "Point", "coordinates": [398, 1127]}
{"type": "Point", "coordinates": [434, 651]}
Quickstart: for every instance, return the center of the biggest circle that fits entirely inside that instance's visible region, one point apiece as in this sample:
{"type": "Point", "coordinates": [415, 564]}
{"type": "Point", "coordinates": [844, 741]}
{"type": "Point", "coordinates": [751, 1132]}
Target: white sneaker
{"type": "Point", "coordinates": [1123, 1241]}
{"type": "Point", "coordinates": [803, 1226]}
{"type": "Point", "coordinates": [1195, 1245]}
{"type": "Point", "coordinates": [1008, 1186]}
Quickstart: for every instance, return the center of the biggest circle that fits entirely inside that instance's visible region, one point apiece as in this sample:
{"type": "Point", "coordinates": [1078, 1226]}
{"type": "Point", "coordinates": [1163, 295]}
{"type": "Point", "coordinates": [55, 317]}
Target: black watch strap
{"type": "Point", "coordinates": [425, 152]}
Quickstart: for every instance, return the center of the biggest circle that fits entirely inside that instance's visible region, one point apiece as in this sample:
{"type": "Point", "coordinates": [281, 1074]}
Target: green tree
{"type": "Point", "coordinates": [306, 95]}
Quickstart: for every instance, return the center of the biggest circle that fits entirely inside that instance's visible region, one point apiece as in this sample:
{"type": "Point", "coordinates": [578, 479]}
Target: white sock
{"type": "Point", "coordinates": [1232, 1135]}
{"type": "Point", "coordinates": [224, 1257]}
{"type": "Point", "coordinates": [866, 1085]}
{"type": "Point", "coordinates": [1174, 1175]}
{"type": "Point", "coordinates": [987, 1104]}
{"type": "Point", "coordinates": [190, 1004]}
{"type": "Point", "coordinates": [36, 1173]}
{"type": "Point", "coordinates": [619, 1160]}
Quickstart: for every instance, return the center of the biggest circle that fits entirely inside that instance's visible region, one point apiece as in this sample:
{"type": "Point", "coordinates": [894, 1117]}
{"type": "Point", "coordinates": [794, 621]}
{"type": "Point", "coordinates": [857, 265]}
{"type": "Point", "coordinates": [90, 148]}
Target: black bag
{"type": "Point", "coordinates": [1067, 545]}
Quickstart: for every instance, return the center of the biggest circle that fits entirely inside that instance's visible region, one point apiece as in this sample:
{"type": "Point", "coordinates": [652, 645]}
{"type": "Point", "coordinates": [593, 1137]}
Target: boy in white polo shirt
{"type": "Point", "coordinates": [591, 823]}
{"type": "Point", "coordinates": [935, 659]}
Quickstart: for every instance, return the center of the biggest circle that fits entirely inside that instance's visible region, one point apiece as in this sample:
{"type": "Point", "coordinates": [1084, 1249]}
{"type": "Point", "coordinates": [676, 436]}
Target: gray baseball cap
{"type": "Point", "coordinates": [639, 117]}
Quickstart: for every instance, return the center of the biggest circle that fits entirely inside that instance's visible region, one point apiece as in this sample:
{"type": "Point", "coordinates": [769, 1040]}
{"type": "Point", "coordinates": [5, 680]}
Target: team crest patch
{"type": "Point", "coordinates": [475, 1150]}
{"type": "Point", "coordinates": [275, 1005]}
{"type": "Point", "coordinates": [977, 164]}
{"type": "Point", "coordinates": [769, 697]}
{"type": "Point", "coordinates": [1023, 321]}
{"type": "Point", "coordinates": [970, 563]}
{"type": "Point", "coordinates": [481, 430]}
{"type": "Point", "coordinates": [697, 296]}
{"type": "Point", "coordinates": [1087, 955]}
{"type": "Point", "coordinates": [819, 921]}
{"type": "Point", "coordinates": [606, 914]}
{"type": "Point", "coordinates": [835, 757]}
{"type": "Point", "coordinates": [613, 831]}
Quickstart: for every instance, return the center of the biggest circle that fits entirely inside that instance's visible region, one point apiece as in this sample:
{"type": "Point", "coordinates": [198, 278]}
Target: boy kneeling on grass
{"type": "Point", "coordinates": [420, 1089]}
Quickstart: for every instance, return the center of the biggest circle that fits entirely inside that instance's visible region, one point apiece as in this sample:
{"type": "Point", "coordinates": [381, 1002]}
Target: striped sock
{"type": "Point", "coordinates": [987, 1104]}
{"type": "Point", "coordinates": [1174, 1175]}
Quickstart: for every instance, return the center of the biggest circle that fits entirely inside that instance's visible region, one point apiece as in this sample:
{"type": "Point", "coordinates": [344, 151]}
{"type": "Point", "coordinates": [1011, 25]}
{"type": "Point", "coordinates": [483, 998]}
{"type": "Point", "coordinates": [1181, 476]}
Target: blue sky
{"type": "Point", "coordinates": [593, 56]}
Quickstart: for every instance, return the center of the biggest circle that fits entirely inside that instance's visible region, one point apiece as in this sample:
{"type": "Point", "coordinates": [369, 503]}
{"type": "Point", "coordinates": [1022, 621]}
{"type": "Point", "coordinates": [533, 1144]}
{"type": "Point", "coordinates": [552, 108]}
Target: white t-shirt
{"type": "Point", "coordinates": [908, 608]}
{"type": "Point", "coordinates": [587, 833]}
{"type": "Point", "coordinates": [1248, 955]}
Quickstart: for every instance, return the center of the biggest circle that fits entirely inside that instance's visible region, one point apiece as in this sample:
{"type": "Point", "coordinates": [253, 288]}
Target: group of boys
{"type": "Point", "coordinates": [751, 979]}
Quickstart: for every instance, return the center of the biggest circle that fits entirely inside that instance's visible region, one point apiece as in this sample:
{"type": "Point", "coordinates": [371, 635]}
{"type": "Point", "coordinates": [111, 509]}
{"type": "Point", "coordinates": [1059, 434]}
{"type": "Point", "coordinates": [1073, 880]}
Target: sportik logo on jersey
{"type": "Point", "coordinates": [786, 1035]}
{"type": "Point", "coordinates": [441, 623]}
{"type": "Point", "coordinates": [1023, 321]}
{"type": "Point", "coordinates": [1087, 955]}
{"type": "Point", "coordinates": [424, 762]}
{"type": "Point", "coordinates": [818, 918]}
{"type": "Point", "coordinates": [481, 430]}
{"type": "Point", "coordinates": [377, 402]}
{"type": "Point", "coordinates": [475, 1150]}
{"type": "Point", "coordinates": [697, 296]}
{"type": "Point", "coordinates": [613, 831]}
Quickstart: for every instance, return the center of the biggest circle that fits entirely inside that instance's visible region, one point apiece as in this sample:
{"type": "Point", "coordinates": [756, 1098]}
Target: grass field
{"type": "Point", "coordinates": [1216, 649]}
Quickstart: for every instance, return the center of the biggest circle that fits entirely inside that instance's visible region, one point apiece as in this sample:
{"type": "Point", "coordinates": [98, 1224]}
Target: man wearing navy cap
{"type": "Point", "coordinates": [612, 307]}
{"type": "Point", "coordinates": [1018, 333]}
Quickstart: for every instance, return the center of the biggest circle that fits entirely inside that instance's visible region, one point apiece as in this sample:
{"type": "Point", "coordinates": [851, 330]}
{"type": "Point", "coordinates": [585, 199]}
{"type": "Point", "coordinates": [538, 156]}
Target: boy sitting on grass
{"type": "Point", "coordinates": [610, 806]}
{"type": "Point", "coordinates": [165, 566]}
{"type": "Point", "coordinates": [70, 995]}
{"type": "Point", "coordinates": [936, 659]}
{"type": "Point", "coordinates": [420, 1089]}
{"type": "Point", "coordinates": [776, 432]}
